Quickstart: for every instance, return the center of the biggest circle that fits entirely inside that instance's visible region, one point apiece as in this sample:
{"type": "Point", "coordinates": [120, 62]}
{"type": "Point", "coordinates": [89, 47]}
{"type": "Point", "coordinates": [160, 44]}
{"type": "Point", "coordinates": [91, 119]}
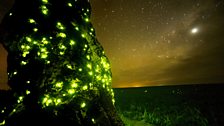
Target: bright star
{"type": "Point", "coordinates": [194, 30]}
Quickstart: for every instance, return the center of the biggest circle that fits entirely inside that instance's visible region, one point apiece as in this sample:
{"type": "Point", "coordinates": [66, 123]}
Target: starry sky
{"type": "Point", "coordinates": [156, 42]}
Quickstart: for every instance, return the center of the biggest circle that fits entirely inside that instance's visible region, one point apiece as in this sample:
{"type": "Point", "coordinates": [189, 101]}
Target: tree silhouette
{"type": "Point", "coordinates": [57, 70]}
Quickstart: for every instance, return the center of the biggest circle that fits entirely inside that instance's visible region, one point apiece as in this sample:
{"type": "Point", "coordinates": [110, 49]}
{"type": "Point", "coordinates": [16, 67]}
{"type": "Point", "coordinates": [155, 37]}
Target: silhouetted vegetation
{"type": "Point", "coordinates": [192, 105]}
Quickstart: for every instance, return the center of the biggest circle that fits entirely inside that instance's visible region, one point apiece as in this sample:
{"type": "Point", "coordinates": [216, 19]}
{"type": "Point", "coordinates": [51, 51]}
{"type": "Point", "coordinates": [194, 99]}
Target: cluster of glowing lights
{"type": "Point", "coordinates": [72, 42]}
{"type": "Point", "coordinates": [27, 92]}
{"type": "Point", "coordinates": [20, 99]}
{"type": "Point", "coordinates": [44, 10]}
{"type": "Point", "coordinates": [48, 101]}
{"type": "Point", "coordinates": [60, 26]}
{"type": "Point", "coordinates": [99, 70]}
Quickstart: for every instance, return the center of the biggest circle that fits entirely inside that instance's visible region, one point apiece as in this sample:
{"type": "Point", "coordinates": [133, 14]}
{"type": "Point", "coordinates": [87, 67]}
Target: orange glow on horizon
{"type": "Point", "coordinates": [133, 85]}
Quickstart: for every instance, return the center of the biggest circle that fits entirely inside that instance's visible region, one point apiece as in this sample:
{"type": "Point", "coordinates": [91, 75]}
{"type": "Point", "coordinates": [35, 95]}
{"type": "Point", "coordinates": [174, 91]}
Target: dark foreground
{"type": "Point", "coordinates": [189, 105]}
{"type": "Point", "coordinates": [186, 105]}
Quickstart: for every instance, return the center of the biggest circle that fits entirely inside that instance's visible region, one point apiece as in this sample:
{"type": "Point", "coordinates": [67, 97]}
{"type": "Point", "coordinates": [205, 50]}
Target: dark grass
{"type": "Point", "coordinates": [185, 105]}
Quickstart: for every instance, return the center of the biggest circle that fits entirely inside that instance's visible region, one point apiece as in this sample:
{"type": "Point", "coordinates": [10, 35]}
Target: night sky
{"type": "Point", "coordinates": [156, 42]}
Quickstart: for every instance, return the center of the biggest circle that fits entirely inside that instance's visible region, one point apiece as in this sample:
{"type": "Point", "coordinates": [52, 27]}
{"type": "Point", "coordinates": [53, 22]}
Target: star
{"type": "Point", "coordinates": [194, 30]}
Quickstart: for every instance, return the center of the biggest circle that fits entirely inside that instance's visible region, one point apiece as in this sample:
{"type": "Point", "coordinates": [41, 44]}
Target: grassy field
{"type": "Point", "coordinates": [192, 105]}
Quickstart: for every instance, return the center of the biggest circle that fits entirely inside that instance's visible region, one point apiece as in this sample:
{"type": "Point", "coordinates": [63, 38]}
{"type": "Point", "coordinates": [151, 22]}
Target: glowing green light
{"type": "Point", "coordinates": [43, 50]}
{"type": "Point", "coordinates": [60, 26]}
{"type": "Point", "coordinates": [10, 14]}
{"type": "Point", "coordinates": [83, 105]}
{"type": "Point", "coordinates": [62, 53]}
{"type": "Point", "coordinates": [27, 92]}
{"type": "Point", "coordinates": [113, 101]}
{"type": "Point", "coordinates": [69, 66]}
{"type": "Point", "coordinates": [72, 42]}
{"type": "Point", "coordinates": [62, 47]}
{"type": "Point", "coordinates": [105, 64]}
{"type": "Point", "coordinates": [45, 42]}
{"type": "Point", "coordinates": [87, 19]}
{"type": "Point", "coordinates": [63, 35]}
{"type": "Point", "coordinates": [89, 66]}
{"type": "Point", "coordinates": [93, 120]}
{"type": "Point", "coordinates": [70, 4]}
{"type": "Point", "coordinates": [90, 84]}
{"type": "Point", "coordinates": [2, 111]}
{"type": "Point", "coordinates": [85, 87]}
{"type": "Point", "coordinates": [77, 28]}
{"type": "Point", "coordinates": [97, 68]}
{"type": "Point", "coordinates": [44, 56]}
{"type": "Point", "coordinates": [2, 123]}
{"type": "Point", "coordinates": [112, 93]}
{"type": "Point", "coordinates": [44, 10]}
{"type": "Point", "coordinates": [45, 99]}
{"type": "Point", "coordinates": [59, 84]}
{"type": "Point", "coordinates": [28, 39]}
{"type": "Point", "coordinates": [21, 98]}
{"type": "Point", "coordinates": [35, 42]}
{"type": "Point", "coordinates": [74, 85]}
{"type": "Point", "coordinates": [25, 53]}
{"type": "Point", "coordinates": [80, 69]}
{"type": "Point", "coordinates": [83, 35]}
{"type": "Point", "coordinates": [71, 91]}
{"type": "Point", "coordinates": [58, 101]}
{"type": "Point", "coordinates": [86, 45]}
{"type": "Point", "coordinates": [91, 73]}
{"type": "Point", "coordinates": [35, 29]}
{"type": "Point", "coordinates": [23, 63]}
{"type": "Point", "coordinates": [15, 73]}
{"type": "Point", "coordinates": [32, 21]}
{"type": "Point", "coordinates": [92, 29]}
{"type": "Point", "coordinates": [49, 101]}
{"type": "Point", "coordinates": [22, 46]}
{"type": "Point", "coordinates": [27, 47]}
{"type": "Point", "coordinates": [88, 57]}
{"type": "Point", "coordinates": [45, 1]}
{"type": "Point", "coordinates": [98, 78]}
{"type": "Point", "coordinates": [14, 110]}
